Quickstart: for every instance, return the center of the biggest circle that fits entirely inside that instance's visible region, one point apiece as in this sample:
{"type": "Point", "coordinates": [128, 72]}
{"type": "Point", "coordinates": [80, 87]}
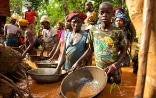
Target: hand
{"type": "Point", "coordinates": [110, 70]}
{"type": "Point", "coordinates": [74, 67]}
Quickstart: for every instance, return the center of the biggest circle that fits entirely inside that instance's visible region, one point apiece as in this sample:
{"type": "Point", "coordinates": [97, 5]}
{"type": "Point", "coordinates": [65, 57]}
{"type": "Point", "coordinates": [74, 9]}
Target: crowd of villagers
{"type": "Point", "coordinates": [106, 36]}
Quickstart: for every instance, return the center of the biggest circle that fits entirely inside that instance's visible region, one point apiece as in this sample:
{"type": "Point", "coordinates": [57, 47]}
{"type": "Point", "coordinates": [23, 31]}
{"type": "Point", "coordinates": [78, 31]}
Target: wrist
{"type": "Point", "coordinates": [114, 66]}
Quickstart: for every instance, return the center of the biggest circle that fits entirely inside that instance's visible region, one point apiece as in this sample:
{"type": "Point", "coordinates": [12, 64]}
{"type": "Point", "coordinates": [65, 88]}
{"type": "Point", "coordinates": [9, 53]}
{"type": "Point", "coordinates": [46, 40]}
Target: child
{"type": "Point", "coordinates": [106, 41]}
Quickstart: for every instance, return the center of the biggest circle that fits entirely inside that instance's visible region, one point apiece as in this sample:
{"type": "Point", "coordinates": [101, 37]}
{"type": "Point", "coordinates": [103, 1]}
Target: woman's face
{"type": "Point", "coordinates": [45, 25]}
{"type": "Point", "coordinates": [76, 24]}
{"type": "Point", "coordinates": [119, 22]}
{"type": "Point", "coordinates": [59, 26]}
{"type": "Point", "coordinates": [68, 25]}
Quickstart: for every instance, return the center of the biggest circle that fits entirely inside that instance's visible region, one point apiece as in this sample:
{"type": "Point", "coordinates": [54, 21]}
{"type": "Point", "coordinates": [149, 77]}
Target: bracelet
{"type": "Point", "coordinates": [114, 66]}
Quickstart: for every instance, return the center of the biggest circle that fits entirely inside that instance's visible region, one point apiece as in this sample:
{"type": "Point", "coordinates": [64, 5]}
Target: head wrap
{"type": "Point", "coordinates": [14, 16]}
{"type": "Point", "coordinates": [120, 9]}
{"type": "Point", "coordinates": [122, 16]}
{"type": "Point", "coordinates": [76, 13]}
{"type": "Point", "coordinates": [89, 3]}
{"type": "Point", "coordinates": [23, 22]}
{"type": "Point", "coordinates": [61, 23]}
{"type": "Point", "coordinates": [44, 19]}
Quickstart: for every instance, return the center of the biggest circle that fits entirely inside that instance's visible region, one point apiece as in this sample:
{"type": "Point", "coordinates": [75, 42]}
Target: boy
{"type": "Point", "coordinates": [106, 42]}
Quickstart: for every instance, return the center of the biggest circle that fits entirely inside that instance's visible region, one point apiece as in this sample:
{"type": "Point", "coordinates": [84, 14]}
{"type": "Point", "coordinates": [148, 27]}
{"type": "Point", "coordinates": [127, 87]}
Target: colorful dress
{"type": "Point", "coordinates": [74, 52]}
{"type": "Point", "coordinates": [106, 45]}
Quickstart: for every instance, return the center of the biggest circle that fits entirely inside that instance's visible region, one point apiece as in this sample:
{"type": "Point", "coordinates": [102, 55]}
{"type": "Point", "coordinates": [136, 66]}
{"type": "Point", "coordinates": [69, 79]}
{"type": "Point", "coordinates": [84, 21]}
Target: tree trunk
{"type": "Point", "coordinates": [144, 47]}
{"type": "Point", "coordinates": [146, 81]}
{"type": "Point", "coordinates": [65, 6]}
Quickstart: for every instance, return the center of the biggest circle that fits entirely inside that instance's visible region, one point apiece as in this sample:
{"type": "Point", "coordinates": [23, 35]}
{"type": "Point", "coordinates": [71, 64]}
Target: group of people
{"type": "Point", "coordinates": [108, 40]}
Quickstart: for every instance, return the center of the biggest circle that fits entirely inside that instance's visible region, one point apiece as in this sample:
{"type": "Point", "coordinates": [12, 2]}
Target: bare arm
{"type": "Point", "coordinates": [31, 43]}
{"type": "Point", "coordinates": [87, 54]}
{"type": "Point", "coordinates": [56, 51]}
{"type": "Point", "coordinates": [61, 60]}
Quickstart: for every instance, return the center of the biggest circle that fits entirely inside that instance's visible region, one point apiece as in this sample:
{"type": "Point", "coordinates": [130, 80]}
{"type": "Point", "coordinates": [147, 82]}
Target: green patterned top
{"type": "Point", "coordinates": [106, 45]}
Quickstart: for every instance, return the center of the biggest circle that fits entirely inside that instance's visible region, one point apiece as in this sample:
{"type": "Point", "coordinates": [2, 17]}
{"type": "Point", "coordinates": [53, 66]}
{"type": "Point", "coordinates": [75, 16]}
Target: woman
{"type": "Point", "coordinates": [119, 21]}
{"type": "Point", "coordinates": [61, 43]}
{"type": "Point", "coordinates": [10, 31]}
{"type": "Point", "coordinates": [91, 14]}
{"type": "Point", "coordinates": [28, 38]}
{"type": "Point", "coordinates": [50, 39]}
{"type": "Point", "coordinates": [75, 44]}
{"type": "Point", "coordinates": [60, 29]}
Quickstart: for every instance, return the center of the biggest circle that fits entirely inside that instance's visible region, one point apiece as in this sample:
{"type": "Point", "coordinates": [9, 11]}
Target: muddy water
{"type": "Point", "coordinates": [124, 90]}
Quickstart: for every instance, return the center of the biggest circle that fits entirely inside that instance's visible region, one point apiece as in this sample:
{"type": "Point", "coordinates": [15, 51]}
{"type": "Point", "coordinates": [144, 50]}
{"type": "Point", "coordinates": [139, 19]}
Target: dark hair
{"type": "Point", "coordinates": [106, 3]}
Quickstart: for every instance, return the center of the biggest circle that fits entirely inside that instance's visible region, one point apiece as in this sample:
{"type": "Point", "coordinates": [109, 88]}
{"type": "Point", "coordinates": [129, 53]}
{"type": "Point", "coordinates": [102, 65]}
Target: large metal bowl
{"type": "Point", "coordinates": [34, 58]}
{"type": "Point", "coordinates": [45, 75]}
{"type": "Point", "coordinates": [46, 64]}
{"type": "Point", "coordinates": [86, 82]}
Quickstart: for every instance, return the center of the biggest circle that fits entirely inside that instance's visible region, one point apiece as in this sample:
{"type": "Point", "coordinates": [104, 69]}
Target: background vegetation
{"type": "Point", "coordinates": [57, 9]}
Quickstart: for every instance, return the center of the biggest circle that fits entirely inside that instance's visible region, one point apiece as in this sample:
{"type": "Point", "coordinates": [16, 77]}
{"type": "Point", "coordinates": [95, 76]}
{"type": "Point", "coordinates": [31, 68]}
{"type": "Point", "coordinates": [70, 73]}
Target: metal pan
{"type": "Point", "coordinates": [46, 64]}
{"type": "Point", "coordinates": [45, 75]}
{"type": "Point", "coordinates": [86, 82]}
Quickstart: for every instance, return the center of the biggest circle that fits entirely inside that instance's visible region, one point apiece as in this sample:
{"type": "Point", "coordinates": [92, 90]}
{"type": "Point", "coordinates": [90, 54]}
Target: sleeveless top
{"type": "Point", "coordinates": [74, 52]}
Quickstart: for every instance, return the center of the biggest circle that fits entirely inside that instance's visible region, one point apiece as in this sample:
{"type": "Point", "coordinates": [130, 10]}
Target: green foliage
{"type": "Point", "coordinates": [55, 9]}
{"type": "Point", "coordinates": [16, 6]}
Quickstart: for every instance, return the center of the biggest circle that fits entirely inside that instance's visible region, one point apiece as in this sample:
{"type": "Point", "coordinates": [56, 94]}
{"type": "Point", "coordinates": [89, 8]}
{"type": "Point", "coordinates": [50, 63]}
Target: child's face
{"type": "Point", "coordinates": [105, 14]}
{"type": "Point", "coordinates": [119, 22]}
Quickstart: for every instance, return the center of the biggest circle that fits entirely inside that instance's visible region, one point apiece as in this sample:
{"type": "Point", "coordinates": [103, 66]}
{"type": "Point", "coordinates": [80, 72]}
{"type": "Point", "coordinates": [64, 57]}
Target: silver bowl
{"type": "Point", "coordinates": [34, 58]}
{"type": "Point", "coordinates": [86, 82]}
{"type": "Point", "coordinates": [46, 64]}
{"type": "Point", "coordinates": [45, 75]}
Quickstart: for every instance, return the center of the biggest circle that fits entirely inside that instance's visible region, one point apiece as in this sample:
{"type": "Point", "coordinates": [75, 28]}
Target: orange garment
{"type": "Point", "coordinates": [30, 16]}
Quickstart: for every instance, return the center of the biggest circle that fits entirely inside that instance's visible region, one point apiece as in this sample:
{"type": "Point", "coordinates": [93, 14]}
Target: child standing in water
{"type": "Point", "coordinates": [106, 42]}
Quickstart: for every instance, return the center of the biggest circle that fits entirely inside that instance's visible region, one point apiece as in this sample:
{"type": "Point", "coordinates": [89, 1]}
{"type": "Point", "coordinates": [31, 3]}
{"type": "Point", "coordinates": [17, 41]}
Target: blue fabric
{"type": "Point", "coordinates": [74, 52]}
{"type": "Point", "coordinates": [12, 40]}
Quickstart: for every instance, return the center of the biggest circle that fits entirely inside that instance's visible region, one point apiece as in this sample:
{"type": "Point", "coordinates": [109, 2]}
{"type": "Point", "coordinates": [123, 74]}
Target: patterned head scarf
{"type": "Point", "coordinates": [122, 16]}
{"type": "Point", "coordinates": [76, 13]}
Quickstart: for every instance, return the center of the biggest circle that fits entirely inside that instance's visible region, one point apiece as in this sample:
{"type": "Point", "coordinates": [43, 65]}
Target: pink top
{"type": "Point", "coordinates": [11, 29]}
{"type": "Point", "coordinates": [62, 40]}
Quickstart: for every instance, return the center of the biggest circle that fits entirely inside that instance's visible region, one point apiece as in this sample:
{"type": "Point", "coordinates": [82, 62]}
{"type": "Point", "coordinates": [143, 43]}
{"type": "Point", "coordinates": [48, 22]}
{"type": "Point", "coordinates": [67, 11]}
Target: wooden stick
{"type": "Point", "coordinates": [144, 47]}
